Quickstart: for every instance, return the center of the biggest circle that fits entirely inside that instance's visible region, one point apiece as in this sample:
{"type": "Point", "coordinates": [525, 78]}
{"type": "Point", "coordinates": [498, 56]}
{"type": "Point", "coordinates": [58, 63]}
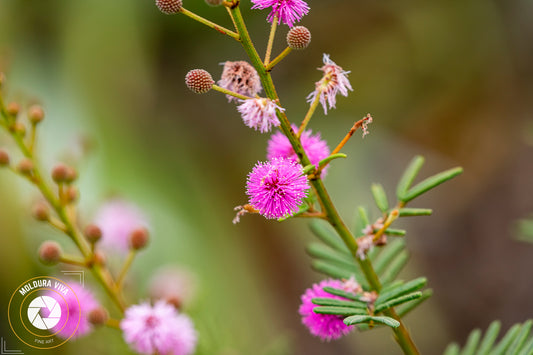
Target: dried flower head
{"type": "Point", "coordinates": [276, 188]}
{"type": "Point", "coordinates": [240, 77]}
{"type": "Point", "coordinates": [118, 219]}
{"type": "Point", "coordinates": [298, 37]}
{"type": "Point", "coordinates": [259, 114]}
{"type": "Point", "coordinates": [169, 7]}
{"type": "Point", "coordinates": [325, 326]}
{"type": "Point", "coordinates": [80, 301]}
{"type": "Point", "coordinates": [315, 147]}
{"type": "Point", "coordinates": [287, 11]}
{"type": "Point", "coordinates": [158, 330]}
{"type": "Point", "coordinates": [333, 81]}
{"type": "Point", "coordinates": [199, 81]}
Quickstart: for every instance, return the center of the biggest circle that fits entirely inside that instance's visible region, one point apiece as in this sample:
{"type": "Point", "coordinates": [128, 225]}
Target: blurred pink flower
{"type": "Point", "coordinates": [118, 219]}
{"type": "Point", "coordinates": [325, 326]}
{"type": "Point", "coordinates": [173, 284]}
{"type": "Point", "coordinates": [159, 329]}
{"type": "Point", "coordinates": [75, 305]}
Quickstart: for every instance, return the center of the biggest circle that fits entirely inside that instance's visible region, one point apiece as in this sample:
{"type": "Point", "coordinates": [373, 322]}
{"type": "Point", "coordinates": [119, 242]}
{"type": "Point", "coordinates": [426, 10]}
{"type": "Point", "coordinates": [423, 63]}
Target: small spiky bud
{"type": "Point", "coordinates": [298, 37]}
{"type": "Point", "coordinates": [41, 211]}
{"type": "Point", "coordinates": [35, 114]}
{"type": "Point", "coordinates": [25, 167]}
{"type": "Point", "coordinates": [72, 175]}
{"type": "Point", "coordinates": [13, 108]}
{"type": "Point", "coordinates": [169, 7]}
{"type": "Point", "coordinates": [98, 316]}
{"type": "Point", "coordinates": [214, 2]}
{"type": "Point", "coordinates": [100, 258]}
{"type": "Point", "coordinates": [139, 238]}
{"type": "Point", "coordinates": [93, 233]}
{"type": "Point", "coordinates": [199, 81]}
{"type": "Point", "coordinates": [50, 252]}
{"type": "Point", "coordinates": [4, 158]}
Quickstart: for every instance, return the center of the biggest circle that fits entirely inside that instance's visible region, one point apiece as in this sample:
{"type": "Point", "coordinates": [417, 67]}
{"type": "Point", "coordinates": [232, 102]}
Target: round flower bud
{"type": "Point", "coordinates": [199, 81]}
{"type": "Point", "coordinates": [298, 37]}
{"type": "Point", "coordinates": [19, 129]}
{"type": "Point", "coordinates": [169, 7]}
{"type": "Point", "coordinates": [98, 316]}
{"type": "Point", "coordinates": [13, 108]}
{"type": "Point", "coordinates": [41, 211]}
{"type": "Point", "coordinates": [50, 252]}
{"type": "Point", "coordinates": [63, 173]}
{"type": "Point", "coordinates": [4, 158]}
{"type": "Point", "coordinates": [35, 114]}
{"type": "Point", "coordinates": [2, 79]}
{"type": "Point", "coordinates": [25, 167]}
{"type": "Point", "coordinates": [139, 238]}
{"type": "Point", "coordinates": [72, 194]}
{"type": "Point", "coordinates": [214, 2]}
{"type": "Point", "coordinates": [93, 233]}
{"type": "Point", "coordinates": [72, 175]}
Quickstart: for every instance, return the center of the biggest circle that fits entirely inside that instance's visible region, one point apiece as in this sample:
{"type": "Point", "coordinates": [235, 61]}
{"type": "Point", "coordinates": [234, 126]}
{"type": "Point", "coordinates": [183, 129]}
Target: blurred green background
{"type": "Point", "coordinates": [448, 79]}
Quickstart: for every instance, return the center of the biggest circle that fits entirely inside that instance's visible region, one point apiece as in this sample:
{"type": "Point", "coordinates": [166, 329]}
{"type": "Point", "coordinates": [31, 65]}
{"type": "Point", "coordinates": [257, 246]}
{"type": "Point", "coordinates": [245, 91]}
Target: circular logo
{"type": "Point", "coordinates": [44, 312]}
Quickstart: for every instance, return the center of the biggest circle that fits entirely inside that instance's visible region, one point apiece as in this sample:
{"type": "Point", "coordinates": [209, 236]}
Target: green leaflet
{"type": "Point", "coordinates": [409, 176]}
{"type": "Point", "coordinates": [404, 289]}
{"type": "Point", "coordinates": [397, 301]}
{"type": "Point", "coordinates": [339, 311]}
{"type": "Point", "coordinates": [357, 319]}
{"type": "Point", "coordinates": [380, 197]}
{"type": "Point", "coordinates": [411, 212]}
{"type": "Point", "coordinates": [328, 236]}
{"type": "Point", "coordinates": [430, 183]}
{"type": "Point", "coordinates": [325, 301]}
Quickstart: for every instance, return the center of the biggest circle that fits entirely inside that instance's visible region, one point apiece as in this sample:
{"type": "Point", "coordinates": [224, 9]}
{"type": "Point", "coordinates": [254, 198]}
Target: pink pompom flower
{"type": "Point", "coordinates": [325, 326]}
{"type": "Point", "coordinates": [118, 219]}
{"type": "Point", "coordinates": [75, 305]}
{"type": "Point", "coordinates": [287, 11]}
{"type": "Point", "coordinates": [334, 81]}
{"type": "Point", "coordinates": [259, 114]}
{"type": "Point", "coordinates": [276, 188]}
{"type": "Point", "coordinates": [315, 147]}
{"type": "Point", "coordinates": [158, 329]}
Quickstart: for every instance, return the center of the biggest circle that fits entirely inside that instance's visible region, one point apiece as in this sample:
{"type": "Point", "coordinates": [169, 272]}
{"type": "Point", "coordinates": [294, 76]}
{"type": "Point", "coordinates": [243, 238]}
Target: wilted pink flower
{"type": "Point", "coordinates": [259, 114]}
{"type": "Point", "coordinates": [118, 219]}
{"type": "Point", "coordinates": [158, 330]}
{"type": "Point", "coordinates": [75, 305]}
{"type": "Point", "coordinates": [288, 11]}
{"type": "Point", "coordinates": [316, 148]}
{"type": "Point", "coordinates": [334, 81]}
{"type": "Point", "coordinates": [325, 326]}
{"type": "Point", "coordinates": [276, 188]}
{"type": "Point", "coordinates": [240, 77]}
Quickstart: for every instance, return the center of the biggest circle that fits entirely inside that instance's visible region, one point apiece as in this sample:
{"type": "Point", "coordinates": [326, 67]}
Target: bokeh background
{"type": "Point", "coordinates": [448, 79]}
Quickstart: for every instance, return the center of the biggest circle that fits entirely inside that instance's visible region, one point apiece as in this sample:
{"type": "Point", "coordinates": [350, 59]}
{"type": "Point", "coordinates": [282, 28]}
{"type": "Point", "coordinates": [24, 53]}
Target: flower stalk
{"type": "Point", "coordinates": [402, 335]}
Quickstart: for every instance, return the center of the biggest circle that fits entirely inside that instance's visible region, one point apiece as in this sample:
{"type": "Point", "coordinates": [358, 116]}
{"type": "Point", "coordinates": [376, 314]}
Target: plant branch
{"type": "Point", "coordinates": [208, 23]}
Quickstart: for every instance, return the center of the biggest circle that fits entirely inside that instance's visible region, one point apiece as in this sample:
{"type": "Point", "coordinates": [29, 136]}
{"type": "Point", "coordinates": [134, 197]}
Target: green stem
{"type": "Point", "coordinates": [208, 23]}
{"type": "Point", "coordinates": [402, 335]}
{"type": "Point", "coordinates": [309, 114]}
{"type": "Point", "coordinates": [127, 264]}
{"type": "Point", "coordinates": [272, 64]}
{"type": "Point", "coordinates": [271, 39]}
{"type": "Point", "coordinates": [70, 230]}
{"type": "Point", "coordinates": [231, 93]}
